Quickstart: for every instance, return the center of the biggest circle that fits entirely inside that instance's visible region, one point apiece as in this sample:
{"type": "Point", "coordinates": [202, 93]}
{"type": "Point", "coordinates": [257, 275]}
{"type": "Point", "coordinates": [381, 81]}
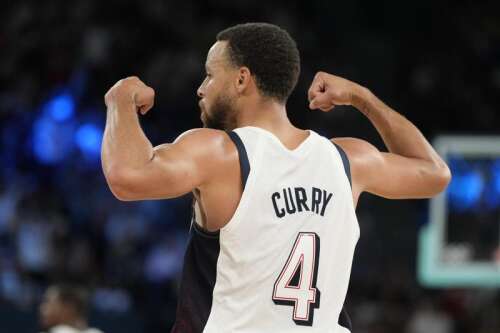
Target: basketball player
{"type": "Point", "coordinates": [274, 229]}
{"type": "Point", "coordinates": [63, 310]}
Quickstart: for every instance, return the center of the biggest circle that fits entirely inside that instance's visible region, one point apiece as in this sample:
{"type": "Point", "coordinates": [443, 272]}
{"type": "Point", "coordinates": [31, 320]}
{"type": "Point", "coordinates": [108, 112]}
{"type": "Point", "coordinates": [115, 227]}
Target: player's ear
{"type": "Point", "coordinates": [243, 79]}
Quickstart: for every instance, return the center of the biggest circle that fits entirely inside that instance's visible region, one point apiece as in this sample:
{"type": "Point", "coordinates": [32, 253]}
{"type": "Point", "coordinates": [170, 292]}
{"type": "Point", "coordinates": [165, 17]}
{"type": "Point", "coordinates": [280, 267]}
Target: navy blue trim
{"type": "Point", "coordinates": [345, 161]}
{"type": "Point", "coordinates": [203, 232]}
{"type": "Point", "coordinates": [242, 152]}
{"type": "Point", "coordinates": [345, 320]}
{"type": "Point", "coordinates": [197, 283]}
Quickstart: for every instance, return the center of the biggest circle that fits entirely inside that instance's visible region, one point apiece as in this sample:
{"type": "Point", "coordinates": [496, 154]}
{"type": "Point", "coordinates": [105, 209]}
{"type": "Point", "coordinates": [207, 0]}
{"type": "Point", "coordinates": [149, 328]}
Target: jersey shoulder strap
{"type": "Point", "coordinates": [345, 161]}
{"type": "Point", "coordinates": [243, 157]}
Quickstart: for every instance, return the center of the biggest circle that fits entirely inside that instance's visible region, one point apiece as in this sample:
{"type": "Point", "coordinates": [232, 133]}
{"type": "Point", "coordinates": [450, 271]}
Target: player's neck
{"type": "Point", "coordinates": [269, 115]}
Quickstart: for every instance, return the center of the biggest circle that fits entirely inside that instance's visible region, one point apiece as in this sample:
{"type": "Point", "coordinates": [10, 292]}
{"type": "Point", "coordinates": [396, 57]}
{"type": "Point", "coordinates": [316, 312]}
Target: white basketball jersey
{"type": "Point", "coordinates": [285, 256]}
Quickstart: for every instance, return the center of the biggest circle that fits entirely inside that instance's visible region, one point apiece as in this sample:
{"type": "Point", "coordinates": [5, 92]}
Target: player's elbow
{"type": "Point", "coordinates": [442, 177]}
{"type": "Point", "coordinates": [122, 194]}
{"type": "Point", "coordinates": [120, 184]}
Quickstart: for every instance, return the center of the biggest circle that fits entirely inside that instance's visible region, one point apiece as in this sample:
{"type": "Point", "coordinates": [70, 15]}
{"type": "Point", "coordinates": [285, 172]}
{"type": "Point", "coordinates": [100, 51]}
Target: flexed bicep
{"type": "Point", "coordinates": [174, 169]}
{"type": "Point", "coordinates": [391, 175]}
{"type": "Point", "coordinates": [399, 177]}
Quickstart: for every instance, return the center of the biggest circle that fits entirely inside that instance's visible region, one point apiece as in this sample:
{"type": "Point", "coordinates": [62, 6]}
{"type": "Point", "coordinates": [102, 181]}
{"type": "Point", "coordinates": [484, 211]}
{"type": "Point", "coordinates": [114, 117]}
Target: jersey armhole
{"type": "Point", "coordinates": [244, 170]}
{"type": "Point", "coordinates": [345, 162]}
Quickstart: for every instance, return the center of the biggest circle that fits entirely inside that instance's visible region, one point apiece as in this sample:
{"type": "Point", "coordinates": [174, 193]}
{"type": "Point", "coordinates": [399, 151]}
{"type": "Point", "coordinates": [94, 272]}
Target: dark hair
{"type": "Point", "coordinates": [74, 296]}
{"type": "Point", "coordinates": [270, 54]}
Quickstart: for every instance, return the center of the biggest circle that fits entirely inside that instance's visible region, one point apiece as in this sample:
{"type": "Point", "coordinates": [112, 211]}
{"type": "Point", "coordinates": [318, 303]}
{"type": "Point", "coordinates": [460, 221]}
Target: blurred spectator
{"type": "Point", "coordinates": [428, 319]}
{"type": "Point", "coordinates": [64, 310]}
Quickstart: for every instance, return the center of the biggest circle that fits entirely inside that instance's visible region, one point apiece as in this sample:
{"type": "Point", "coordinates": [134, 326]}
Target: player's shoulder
{"type": "Point", "coordinates": [207, 142]}
{"type": "Point", "coordinates": [354, 147]}
{"type": "Point", "coordinates": [362, 156]}
{"type": "Point", "coordinates": [202, 135]}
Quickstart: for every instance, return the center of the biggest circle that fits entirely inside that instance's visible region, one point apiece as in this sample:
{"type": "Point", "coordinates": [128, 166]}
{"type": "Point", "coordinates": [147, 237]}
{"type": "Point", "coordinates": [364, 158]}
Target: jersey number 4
{"type": "Point", "coordinates": [296, 284]}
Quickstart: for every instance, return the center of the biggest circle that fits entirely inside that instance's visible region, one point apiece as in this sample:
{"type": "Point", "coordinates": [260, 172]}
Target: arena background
{"type": "Point", "coordinates": [436, 62]}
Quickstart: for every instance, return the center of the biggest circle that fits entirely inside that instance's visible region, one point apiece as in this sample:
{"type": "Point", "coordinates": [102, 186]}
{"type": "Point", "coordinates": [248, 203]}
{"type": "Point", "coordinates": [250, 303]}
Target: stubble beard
{"type": "Point", "coordinates": [222, 115]}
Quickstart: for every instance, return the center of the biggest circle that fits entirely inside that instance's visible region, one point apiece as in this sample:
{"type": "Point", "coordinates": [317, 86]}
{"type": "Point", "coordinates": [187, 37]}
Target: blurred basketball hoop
{"type": "Point", "coordinates": [460, 246]}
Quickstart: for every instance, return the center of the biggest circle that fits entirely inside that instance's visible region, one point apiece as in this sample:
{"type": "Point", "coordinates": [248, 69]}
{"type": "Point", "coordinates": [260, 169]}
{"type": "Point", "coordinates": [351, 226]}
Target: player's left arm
{"type": "Point", "coordinates": [391, 175]}
{"type": "Point", "coordinates": [411, 168]}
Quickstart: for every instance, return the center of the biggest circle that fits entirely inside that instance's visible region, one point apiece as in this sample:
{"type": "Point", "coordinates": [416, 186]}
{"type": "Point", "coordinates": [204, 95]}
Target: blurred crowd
{"type": "Point", "coordinates": [437, 63]}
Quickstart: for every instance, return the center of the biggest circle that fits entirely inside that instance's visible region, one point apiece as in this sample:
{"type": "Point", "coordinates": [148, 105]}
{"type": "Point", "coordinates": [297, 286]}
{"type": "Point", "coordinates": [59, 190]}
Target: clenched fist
{"type": "Point", "coordinates": [131, 90]}
{"type": "Point", "coordinates": [328, 90]}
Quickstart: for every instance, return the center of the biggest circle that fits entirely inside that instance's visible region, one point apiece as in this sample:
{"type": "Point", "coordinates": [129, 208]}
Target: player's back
{"type": "Point", "coordinates": [282, 263]}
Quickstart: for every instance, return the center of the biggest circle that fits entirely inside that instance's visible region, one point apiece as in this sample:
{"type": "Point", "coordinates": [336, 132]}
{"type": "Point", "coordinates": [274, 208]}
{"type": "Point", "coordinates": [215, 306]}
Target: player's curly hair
{"type": "Point", "coordinates": [270, 54]}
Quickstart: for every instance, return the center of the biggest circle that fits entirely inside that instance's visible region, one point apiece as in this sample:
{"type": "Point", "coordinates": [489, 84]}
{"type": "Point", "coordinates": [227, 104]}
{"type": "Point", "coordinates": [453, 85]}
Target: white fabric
{"type": "Point", "coordinates": [256, 244]}
{"type": "Point", "coordinates": [69, 329]}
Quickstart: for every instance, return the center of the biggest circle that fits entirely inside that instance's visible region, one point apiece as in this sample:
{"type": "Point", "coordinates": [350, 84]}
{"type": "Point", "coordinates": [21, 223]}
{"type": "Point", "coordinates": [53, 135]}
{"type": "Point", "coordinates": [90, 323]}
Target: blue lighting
{"type": "Point", "coordinates": [51, 140]}
{"type": "Point", "coordinates": [61, 107]}
{"type": "Point", "coordinates": [465, 189]}
{"type": "Point", "coordinates": [492, 195]}
{"type": "Point", "coordinates": [88, 138]}
{"type": "Point", "coordinates": [496, 175]}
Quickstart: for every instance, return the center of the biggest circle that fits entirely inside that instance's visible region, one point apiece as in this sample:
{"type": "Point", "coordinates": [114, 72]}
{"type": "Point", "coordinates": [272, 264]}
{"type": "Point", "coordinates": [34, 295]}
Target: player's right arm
{"type": "Point", "coordinates": [411, 168]}
{"type": "Point", "coordinates": [134, 169]}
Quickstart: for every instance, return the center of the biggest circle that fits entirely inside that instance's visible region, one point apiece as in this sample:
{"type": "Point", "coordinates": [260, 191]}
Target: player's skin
{"type": "Point", "coordinates": [205, 161]}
